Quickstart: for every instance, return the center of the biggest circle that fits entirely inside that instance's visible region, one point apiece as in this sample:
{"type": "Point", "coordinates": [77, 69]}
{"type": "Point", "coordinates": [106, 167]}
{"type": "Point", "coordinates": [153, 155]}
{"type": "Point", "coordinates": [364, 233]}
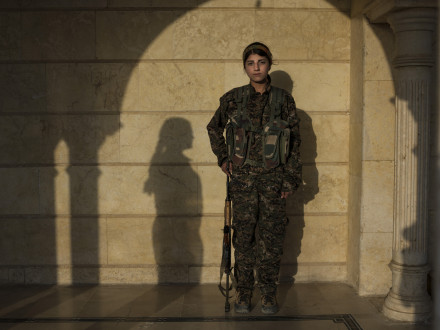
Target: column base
{"type": "Point", "coordinates": [408, 299]}
{"type": "Point", "coordinates": [406, 309]}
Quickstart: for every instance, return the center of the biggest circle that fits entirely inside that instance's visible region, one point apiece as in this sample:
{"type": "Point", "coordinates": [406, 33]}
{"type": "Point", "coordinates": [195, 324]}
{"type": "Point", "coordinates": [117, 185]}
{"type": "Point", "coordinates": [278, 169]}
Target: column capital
{"type": "Point", "coordinates": [414, 30]}
{"type": "Point", "coordinates": [377, 11]}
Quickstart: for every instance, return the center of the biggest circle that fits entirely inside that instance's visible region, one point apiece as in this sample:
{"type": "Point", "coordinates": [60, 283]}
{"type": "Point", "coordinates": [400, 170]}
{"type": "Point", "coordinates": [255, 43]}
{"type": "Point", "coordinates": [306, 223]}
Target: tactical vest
{"type": "Point", "coordinates": [275, 134]}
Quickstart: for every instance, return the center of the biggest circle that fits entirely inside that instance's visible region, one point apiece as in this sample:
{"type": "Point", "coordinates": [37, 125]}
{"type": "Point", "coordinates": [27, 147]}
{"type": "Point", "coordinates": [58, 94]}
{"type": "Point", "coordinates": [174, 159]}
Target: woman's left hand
{"type": "Point", "coordinates": [285, 194]}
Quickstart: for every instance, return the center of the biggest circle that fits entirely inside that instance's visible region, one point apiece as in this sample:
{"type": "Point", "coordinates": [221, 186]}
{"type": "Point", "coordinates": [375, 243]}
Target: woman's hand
{"type": "Point", "coordinates": [225, 168]}
{"type": "Point", "coordinates": [285, 194]}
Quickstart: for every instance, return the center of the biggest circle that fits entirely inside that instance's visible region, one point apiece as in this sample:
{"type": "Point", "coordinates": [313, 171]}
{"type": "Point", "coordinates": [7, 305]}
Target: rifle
{"type": "Point", "coordinates": [225, 267]}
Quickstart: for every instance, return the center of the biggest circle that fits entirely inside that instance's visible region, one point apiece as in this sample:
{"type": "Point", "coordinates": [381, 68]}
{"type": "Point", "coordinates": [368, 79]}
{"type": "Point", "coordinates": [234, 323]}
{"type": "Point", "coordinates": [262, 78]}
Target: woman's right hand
{"type": "Point", "coordinates": [225, 168]}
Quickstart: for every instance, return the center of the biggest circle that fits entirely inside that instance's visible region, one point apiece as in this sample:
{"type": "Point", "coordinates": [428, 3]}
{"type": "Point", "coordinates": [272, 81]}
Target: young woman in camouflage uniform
{"type": "Point", "coordinates": [259, 189]}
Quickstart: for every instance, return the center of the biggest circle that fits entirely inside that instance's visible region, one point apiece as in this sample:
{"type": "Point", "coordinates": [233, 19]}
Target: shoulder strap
{"type": "Point", "coordinates": [276, 102]}
{"type": "Point", "coordinates": [241, 96]}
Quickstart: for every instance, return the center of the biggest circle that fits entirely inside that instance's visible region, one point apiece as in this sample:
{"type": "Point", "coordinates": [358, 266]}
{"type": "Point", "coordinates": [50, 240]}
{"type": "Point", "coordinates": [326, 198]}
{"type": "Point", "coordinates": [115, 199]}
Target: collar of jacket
{"type": "Point", "coordinates": [252, 90]}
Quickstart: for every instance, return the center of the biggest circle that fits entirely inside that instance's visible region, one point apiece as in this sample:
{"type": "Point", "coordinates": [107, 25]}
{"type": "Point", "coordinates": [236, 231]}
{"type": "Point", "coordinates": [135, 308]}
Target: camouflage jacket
{"type": "Point", "coordinates": [258, 110]}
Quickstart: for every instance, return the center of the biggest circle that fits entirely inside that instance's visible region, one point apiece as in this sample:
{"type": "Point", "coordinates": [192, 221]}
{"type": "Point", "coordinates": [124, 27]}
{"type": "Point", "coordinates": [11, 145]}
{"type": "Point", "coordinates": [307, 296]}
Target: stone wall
{"type": "Point", "coordinates": [371, 157]}
{"type": "Point", "coordinates": [106, 170]}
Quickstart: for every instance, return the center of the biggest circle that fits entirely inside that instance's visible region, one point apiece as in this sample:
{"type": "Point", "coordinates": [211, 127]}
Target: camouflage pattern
{"type": "Point", "coordinates": [258, 110]}
{"type": "Point", "coordinates": [257, 204]}
{"type": "Point", "coordinates": [259, 212]}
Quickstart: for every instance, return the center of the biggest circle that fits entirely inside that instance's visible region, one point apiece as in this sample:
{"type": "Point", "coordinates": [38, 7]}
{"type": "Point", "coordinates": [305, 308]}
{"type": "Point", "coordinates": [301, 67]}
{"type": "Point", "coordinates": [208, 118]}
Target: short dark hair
{"type": "Point", "coordinates": [259, 49]}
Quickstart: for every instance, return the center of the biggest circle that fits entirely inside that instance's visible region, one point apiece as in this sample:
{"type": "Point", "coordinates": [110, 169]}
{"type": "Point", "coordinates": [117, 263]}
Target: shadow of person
{"type": "Point", "coordinates": [305, 193]}
{"type": "Point", "coordinates": [177, 245]}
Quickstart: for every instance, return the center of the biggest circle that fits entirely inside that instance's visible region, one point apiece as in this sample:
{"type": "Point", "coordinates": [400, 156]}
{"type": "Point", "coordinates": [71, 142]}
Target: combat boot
{"type": "Point", "coordinates": [242, 301]}
{"type": "Point", "coordinates": [269, 303]}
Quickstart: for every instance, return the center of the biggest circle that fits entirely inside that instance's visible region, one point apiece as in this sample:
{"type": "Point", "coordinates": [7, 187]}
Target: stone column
{"type": "Point", "coordinates": [414, 29]}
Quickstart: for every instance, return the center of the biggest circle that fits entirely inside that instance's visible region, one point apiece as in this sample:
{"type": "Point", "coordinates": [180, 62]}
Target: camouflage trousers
{"type": "Point", "coordinates": [259, 222]}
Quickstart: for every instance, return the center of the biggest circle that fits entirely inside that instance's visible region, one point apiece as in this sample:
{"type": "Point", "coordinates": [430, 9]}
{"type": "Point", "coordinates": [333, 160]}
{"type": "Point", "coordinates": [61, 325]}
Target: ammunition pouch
{"type": "Point", "coordinates": [276, 139]}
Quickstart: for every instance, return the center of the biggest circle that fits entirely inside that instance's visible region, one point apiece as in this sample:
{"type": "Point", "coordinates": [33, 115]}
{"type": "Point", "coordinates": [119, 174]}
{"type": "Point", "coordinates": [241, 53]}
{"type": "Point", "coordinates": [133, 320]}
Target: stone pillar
{"type": "Point", "coordinates": [414, 29]}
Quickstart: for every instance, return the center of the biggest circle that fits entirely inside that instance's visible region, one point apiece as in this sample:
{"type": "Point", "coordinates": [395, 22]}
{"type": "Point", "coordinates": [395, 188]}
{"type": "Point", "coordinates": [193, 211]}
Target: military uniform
{"type": "Point", "coordinates": [256, 189]}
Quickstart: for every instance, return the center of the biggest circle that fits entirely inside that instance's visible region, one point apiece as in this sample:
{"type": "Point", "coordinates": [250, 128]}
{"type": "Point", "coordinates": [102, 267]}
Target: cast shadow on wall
{"type": "Point", "coordinates": [305, 193]}
{"type": "Point", "coordinates": [83, 136]}
{"type": "Point", "coordinates": [177, 245]}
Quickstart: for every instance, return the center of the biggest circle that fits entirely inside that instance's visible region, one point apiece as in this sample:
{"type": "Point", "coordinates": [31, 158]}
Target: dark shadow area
{"type": "Point", "coordinates": [305, 193]}
{"type": "Point", "coordinates": [176, 188]}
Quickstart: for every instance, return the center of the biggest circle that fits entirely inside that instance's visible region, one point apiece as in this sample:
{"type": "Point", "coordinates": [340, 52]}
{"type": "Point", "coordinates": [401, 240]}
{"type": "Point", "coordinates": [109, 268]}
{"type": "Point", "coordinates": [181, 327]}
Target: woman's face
{"type": "Point", "coordinates": [257, 68]}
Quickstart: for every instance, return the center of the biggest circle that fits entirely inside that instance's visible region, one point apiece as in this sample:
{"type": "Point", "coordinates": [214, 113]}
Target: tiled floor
{"type": "Point", "coordinates": [303, 306]}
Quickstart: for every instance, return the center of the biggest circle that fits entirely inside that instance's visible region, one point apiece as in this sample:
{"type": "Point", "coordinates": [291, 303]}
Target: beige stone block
{"type": "Point", "coordinates": [378, 51]}
{"type": "Point", "coordinates": [375, 256]}
{"type": "Point", "coordinates": [180, 86]}
{"type": "Point", "coordinates": [58, 35]}
{"type": "Point", "coordinates": [63, 4]}
{"type": "Point", "coordinates": [63, 275]}
{"type": "Point", "coordinates": [28, 241]}
{"type": "Point", "coordinates": [21, 139]}
{"type": "Point", "coordinates": [143, 190]}
{"type": "Point", "coordinates": [314, 272]}
{"type": "Point", "coordinates": [213, 182]}
{"type": "Point", "coordinates": [236, 4]}
{"type": "Point", "coordinates": [135, 34]}
{"type": "Point", "coordinates": [10, 35]}
{"type": "Point", "coordinates": [316, 239]}
{"type": "Point", "coordinates": [17, 276]}
{"type": "Point", "coordinates": [140, 275]}
{"type": "Point", "coordinates": [129, 275]}
{"type": "Point", "coordinates": [81, 241]}
{"type": "Point", "coordinates": [324, 189]}
{"type": "Point", "coordinates": [235, 76]}
{"type": "Point", "coordinates": [305, 35]}
{"type": "Point", "coordinates": [379, 120]}
{"type": "Point", "coordinates": [353, 248]}
{"type": "Point", "coordinates": [314, 86]}
{"type": "Point", "coordinates": [73, 190]}
{"type": "Point", "coordinates": [324, 138]}
{"type": "Point", "coordinates": [46, 275]}
{"type": "Point", "coordinates": [180, 184]}
{"type": "Point", "coordinates": [19, 193]}
{"type": "Point", "coordinates": [343, 5]}
{"type": "Point", "coordinates": [55, 193]}
{"type": "Point", "coordinates": [131, 241]}
{"type": "Point", "coordinates": [89, 138]}
{"type": "Point", "coordinates": [163, 138]}
{"type": "Point", "coordinates": [198, 34]}
{"type": "Point", "coordinates": [92, 87]}
{"type": "Point", "coordinates": [23, 87]}
{"type": "Point", "coordinates": [211, 238]}
{"type": "Point", "coordinates": [377, 197]}
{"type": "Point", "coordinates": [164, 241]}
{"type": "Point", "coordinates": [327, 273]}
{"type": "Point", "coordinates": [204, 274]}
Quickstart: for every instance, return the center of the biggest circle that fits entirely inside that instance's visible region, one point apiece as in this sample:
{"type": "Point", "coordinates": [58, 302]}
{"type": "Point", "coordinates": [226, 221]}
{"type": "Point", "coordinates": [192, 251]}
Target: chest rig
{"type": "Point", "coordinates": [240, 132]}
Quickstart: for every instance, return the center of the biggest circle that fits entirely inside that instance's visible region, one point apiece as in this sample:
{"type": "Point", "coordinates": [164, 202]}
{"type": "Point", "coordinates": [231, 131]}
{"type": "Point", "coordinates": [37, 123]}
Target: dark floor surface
{"type": "Point", "coordinates": [312, 306]}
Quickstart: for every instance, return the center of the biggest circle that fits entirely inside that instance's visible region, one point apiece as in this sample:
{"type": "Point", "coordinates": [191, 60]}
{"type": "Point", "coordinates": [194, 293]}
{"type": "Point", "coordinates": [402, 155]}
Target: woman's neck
{"type": "Point", "coordinates": [260, 87]}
